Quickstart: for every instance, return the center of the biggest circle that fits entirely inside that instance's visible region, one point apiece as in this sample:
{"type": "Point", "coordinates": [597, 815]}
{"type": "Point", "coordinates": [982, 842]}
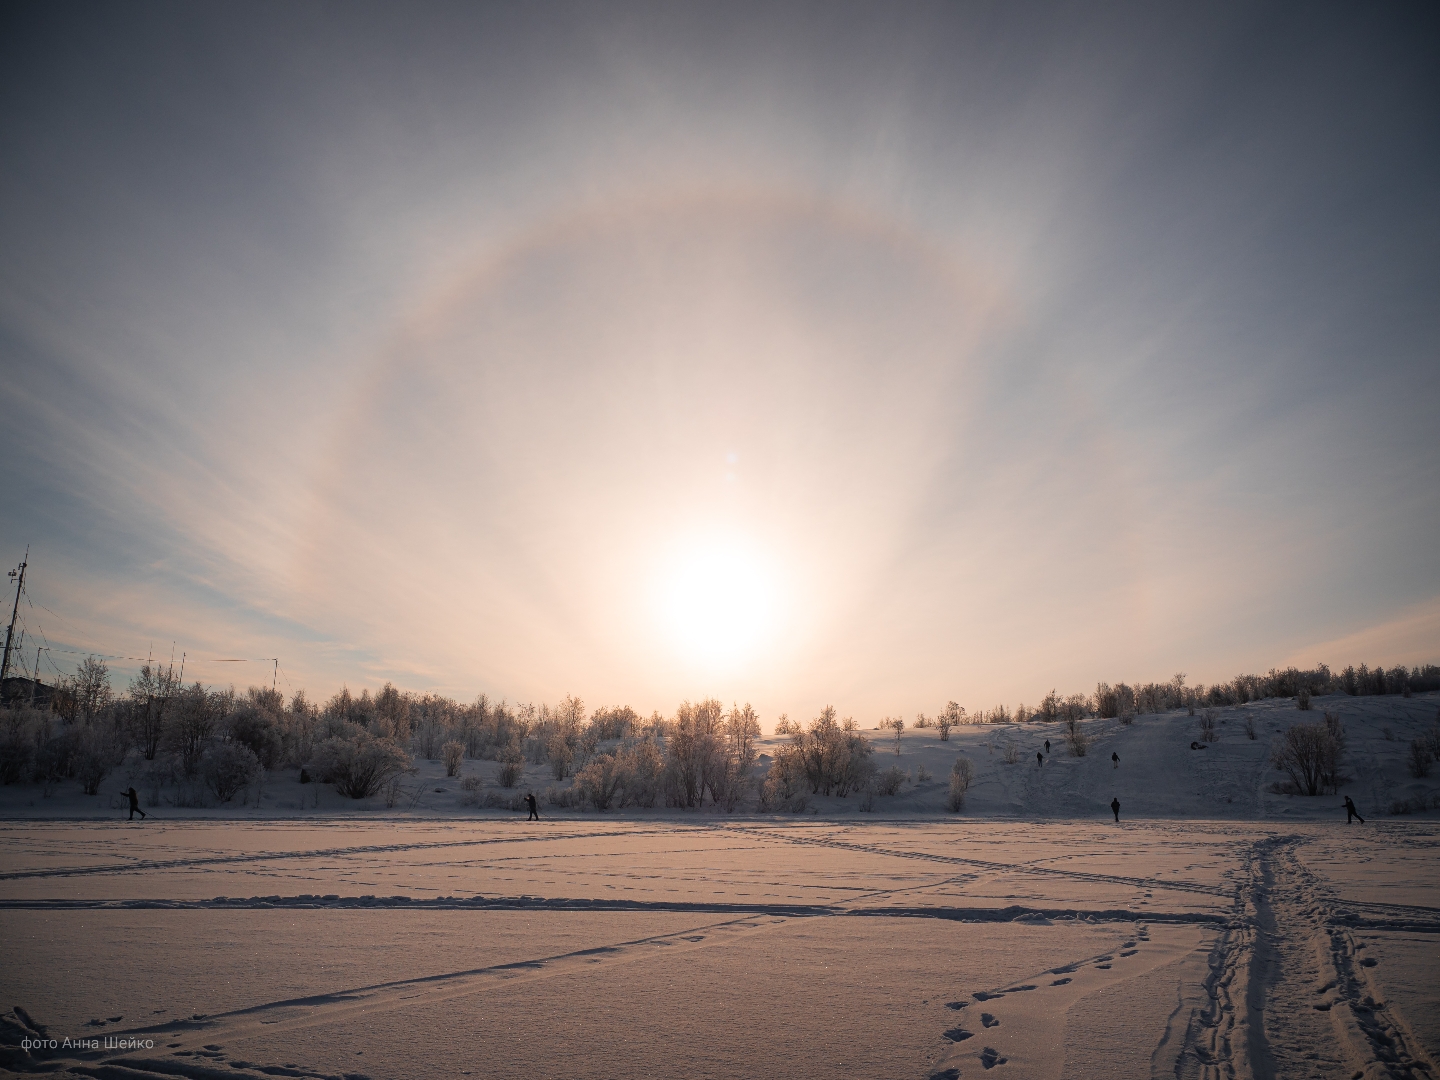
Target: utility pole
{"type": "Point", "coordinates": [18, 575]}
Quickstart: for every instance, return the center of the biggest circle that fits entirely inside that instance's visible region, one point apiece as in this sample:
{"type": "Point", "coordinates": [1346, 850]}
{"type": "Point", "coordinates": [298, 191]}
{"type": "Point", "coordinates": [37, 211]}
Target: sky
{"type": "Point", "coordinates": [859, 354]}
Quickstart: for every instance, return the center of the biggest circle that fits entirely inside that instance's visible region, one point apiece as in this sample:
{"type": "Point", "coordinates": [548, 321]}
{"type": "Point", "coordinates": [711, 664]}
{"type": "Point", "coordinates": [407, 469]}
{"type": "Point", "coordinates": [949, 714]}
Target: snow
{"type": "Point", "coordinates": [1029, 936]}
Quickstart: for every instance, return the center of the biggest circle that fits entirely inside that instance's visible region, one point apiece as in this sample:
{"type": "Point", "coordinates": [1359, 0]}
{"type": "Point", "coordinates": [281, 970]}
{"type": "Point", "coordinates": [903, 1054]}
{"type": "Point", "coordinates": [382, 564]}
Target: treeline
{"type": "Point", "coordinates": [1126, 702]}
{"type": "Point", "coordinates": [217, 742]}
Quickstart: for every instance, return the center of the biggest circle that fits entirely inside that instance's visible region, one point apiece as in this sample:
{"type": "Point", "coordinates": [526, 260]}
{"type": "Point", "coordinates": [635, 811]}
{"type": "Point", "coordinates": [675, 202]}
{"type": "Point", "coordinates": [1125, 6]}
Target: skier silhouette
{"type": "Point", "coordinates": [1039, 759]}
{"type": "Point", "coordinates": [1115, 805]}
{"type": "Point", "coordinates": [530, 802]}
{"type": "Point", "coordinates": [135, 804]}
{"type": "Point", "coordinates": [1116, 759]}
{"type": "Point", "coordinates": [1351, 812]}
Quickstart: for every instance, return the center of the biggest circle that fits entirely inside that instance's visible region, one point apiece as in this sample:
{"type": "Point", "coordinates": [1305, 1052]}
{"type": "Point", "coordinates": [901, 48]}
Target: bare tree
{"type": "Point", "coordinates": [150, 695]}
{"type": "Point", "coordinates": [1310, 755]}
{"type": "Point", "coordinates": [947, 721]}
{"type": "Point", "coordinates": [92, 687]}
{"type": "Point", "coordinates": [961, 774]}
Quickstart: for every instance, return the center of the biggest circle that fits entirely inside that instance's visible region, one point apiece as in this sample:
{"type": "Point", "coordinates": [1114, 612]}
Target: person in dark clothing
{"type": "Point", "coordinates": [530, 802]}
{"type": "Point", "coordinates": [135, 804]}
{"type": "Point", "coordinates": [1039, 759]}
{"type": "Point", "coordinates": [1115, 806]}
{"type": "Point", "coordinates": [1351, 812]}
{"type": "Point", "coordinates": [1116, 759]}
{"type": "Point", "coordinates": [1047, 746]}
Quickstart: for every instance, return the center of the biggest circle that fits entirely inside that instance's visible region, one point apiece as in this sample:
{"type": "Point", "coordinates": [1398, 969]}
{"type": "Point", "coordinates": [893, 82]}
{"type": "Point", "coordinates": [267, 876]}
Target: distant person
{"type": "Point", "coordinates": [530, 802]}
{"type": "Point", "coordinates": [1039, 759]}
{"type": "Point", "coordinates": [135, 804]}
{"type": "Point", "coordinates": [1116, 759]}
{"type": "Point", "coordinates": [1047, 746]}
{"type": "Point", "coordinates": [1115, 806]}
{"type": "Point", "coordinates": [1351, 812]}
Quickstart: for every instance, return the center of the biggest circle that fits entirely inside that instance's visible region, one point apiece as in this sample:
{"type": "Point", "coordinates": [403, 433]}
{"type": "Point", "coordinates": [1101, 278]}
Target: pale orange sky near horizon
{"type": "Point", "coordinates": [796, 356]}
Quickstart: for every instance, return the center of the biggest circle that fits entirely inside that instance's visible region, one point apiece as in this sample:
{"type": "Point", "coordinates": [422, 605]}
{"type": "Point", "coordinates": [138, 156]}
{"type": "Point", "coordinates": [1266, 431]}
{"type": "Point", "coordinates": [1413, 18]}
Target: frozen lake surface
{"type": "Point", "coordinates": [705, 946]}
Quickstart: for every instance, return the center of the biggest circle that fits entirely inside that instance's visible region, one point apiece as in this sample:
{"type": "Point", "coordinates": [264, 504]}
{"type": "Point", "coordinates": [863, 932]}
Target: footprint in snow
{"type": "Point", "coordinates": [958, 1034]}
{"type": "Point", "coordinates": [985, 995]}
{"type": "Point", "coordinates": [1017, 989]}
{"type": "Point", "coordinates": [1060, 982]}
{"type": "Point", "coordinates": [1128, 952]}
{"type": "Point", "coordinates": [1103, 967]}
{"type": "Point", "coordinates": [988, 1020]}
{"type": "Point", "coordinates": [990, 1057]}
{"type": "Point", "coordinates": [957, 1004]}
{"type": "Point", "coordinates": [946, 1074]}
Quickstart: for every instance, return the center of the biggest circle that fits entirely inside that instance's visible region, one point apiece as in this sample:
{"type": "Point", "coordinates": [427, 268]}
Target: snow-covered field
{"type": "Point", "coordinates": [1029, 936]}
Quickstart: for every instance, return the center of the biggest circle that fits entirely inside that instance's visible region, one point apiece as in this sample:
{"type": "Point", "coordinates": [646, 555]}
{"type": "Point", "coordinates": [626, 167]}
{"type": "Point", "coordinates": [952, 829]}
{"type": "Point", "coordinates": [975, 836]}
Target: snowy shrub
{"type": "Point", "coordinates": [1302, 700]}
{"type": "Point", "coordinates": [565, 798]}
{"type": "Point", "coordinates": [1207, 726]}
{"type": "Point", "coordinates": [1419, 759]}
{"type": "Point", "coordinates": [228, 767]}
{"type": "Point", "coordinates": [1012, 754]}
{"type": "Point", "coordinates": [495, 801]}
{"type": "Point", "coordinates": [99, 751]}
{"type": "Point", "coordinates": [888, 782]}
{"type": "Point", "coordinates": [358, 766]}
{"type": "Point", "coordinates": [1250, 731]}
{"type": "Point", "coordinates": [17, 748]}
{"type": "Point", "coordinates": [922, 774]}
{"type": "Point", "coordinates": [259, 731]}
{"type": "Point", "coordinates": [644, 769]}
{"type": "Point", "coordinates": [471, 783]}
{"type": "Point", "coordinates": [454, 754]}
{"type": "Point", "coordinates": [1416, 804]}
{"type": "Point", "coordinates": [867, 800]}
{"type": "Point", "coordinates": [961, 774]}
{"type": "Point", "coordinates": [1075, 736]}
{"type": "Point", "coordinates": [510, 772]}
{"type": "Point", "coordinates": [600, 782]}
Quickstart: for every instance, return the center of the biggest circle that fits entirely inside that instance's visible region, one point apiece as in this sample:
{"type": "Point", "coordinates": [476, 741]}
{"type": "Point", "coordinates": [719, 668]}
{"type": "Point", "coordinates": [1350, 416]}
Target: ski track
{"type": "Point", "coordinates": [1286, 993]}
{"type": "Point", "coordinates": [318, 853]}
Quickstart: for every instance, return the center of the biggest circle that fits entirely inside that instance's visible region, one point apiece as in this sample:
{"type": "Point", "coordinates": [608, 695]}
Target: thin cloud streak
{"type": "Point", "coordinates": [1025, 348]}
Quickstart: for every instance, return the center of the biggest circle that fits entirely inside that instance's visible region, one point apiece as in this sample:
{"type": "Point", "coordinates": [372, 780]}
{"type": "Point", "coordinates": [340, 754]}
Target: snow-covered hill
{"type": "Point", "coordinates": [1158, 775]}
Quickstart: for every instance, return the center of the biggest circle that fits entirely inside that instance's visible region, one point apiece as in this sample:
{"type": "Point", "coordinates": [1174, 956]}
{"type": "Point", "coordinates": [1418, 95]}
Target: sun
{"type": "Point", "coordinates": [719, 601]}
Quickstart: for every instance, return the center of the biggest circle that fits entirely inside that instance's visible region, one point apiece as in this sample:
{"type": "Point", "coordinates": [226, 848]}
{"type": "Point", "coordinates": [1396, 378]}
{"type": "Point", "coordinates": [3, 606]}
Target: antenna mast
{"type": "Point", "coordinates": [18, 575]}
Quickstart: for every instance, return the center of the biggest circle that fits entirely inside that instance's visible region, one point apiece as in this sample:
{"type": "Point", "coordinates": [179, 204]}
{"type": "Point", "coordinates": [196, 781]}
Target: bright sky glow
{"type": "Point", "coordinates": [721, 602]}
{"type": "Point", "coordinates": [801, 354]}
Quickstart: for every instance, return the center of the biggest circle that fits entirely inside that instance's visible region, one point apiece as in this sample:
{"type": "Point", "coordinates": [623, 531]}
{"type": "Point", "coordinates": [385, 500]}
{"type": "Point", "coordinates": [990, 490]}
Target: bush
{"type": "Point", "coordinates": [1419, 759]}
{"type": "Point", "coordinates": [227, 768]}
{"type": "Point", "coordinates": [258, 731]}
{"type": "Point", "coordinates": [99, 751]}
{"type": "Point", "coordinates": [961, 774]}
{"type": "Point", "coordinates": [471, 783]}
{"type": "Point", "coordinates": [1250, 731]}
{"type": "Point", "coordinates": [601, 781]}
{"type": "Point", "coordinates": [16, 751]}
{"type": "Point", "coordinates": [922, 774]}
{"type": "Point", "coordinates": [454, 754]}
{"type": "Point", "coordinates": [888, 782]}
{"type": "Point", "coordinates": [510, 772]}
{"type": "Point", "coordinates": [1075, 736]}
{"type": "Point", "coordinates": [1302, 700]}
{"type": "Point", "coordinates": [358, 765]}
{"type": "Point", "coordinates": [1310, 755]}
{"type": "Point", "coordinates": [1207, 726]}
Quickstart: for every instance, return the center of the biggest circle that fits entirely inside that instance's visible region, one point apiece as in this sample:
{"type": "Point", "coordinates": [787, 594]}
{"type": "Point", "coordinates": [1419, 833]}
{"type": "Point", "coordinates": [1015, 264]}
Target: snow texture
{"type": "Point", "coordinates": [1268, 940]}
